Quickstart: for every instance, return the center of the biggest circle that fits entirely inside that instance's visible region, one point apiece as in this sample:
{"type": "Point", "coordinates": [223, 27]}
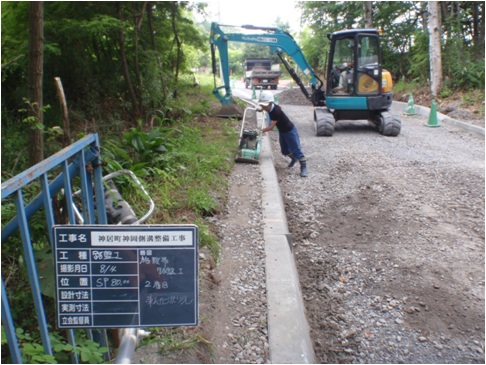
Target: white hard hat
{"type": "Point", "coordinates": [266, 97]}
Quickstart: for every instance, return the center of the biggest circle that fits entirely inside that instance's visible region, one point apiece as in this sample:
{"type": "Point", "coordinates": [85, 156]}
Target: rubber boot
{"type": "Point", "coordinates": [293, 161]}
{"type": "Point", "coordinates": [303, 168]}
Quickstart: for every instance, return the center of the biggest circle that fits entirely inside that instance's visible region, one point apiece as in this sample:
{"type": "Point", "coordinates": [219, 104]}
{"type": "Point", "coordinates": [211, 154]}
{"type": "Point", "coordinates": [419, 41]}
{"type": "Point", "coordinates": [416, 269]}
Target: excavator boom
{"type": "Point", "coordinates": [278, 40]}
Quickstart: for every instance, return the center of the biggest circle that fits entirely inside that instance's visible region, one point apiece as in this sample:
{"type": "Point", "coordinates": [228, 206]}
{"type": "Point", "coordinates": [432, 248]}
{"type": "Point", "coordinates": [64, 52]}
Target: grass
{"type": "Point", "coordinates": [173, 343]}
{"type": "Point", "coordinates": [406, 87]}
{"type": "Point", "coordinates": [192, 187]}
{"type": "Point", "coordinates": [472, 100]}
{"type": "Point", "coordinates": [195, 185]}
{"type": "Point", "coordinates": [184, 162]}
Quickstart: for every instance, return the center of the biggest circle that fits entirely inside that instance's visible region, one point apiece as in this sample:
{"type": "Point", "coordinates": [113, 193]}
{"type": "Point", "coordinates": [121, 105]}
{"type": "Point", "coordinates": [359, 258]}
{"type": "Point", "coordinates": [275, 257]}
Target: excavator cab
{"type": "Point", "coordinates": [357, 87]}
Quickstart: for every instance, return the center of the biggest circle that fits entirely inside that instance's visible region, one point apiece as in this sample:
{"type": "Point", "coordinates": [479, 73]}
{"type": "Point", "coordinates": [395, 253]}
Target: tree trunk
{"type": "Point", "coordinates": [154, 47]}
{"type": "Point", "coordinates": [447, 19]}
{"type": "Point", "coordinates": [478, 28]}
{"type": "Point", "coordinates": [138, 19]}
{"type": "Point", "coordinates": [435, 53]}
{"type": "Point", "coordinates": [481, 32]}
{"type": "Point", "coordinates": [425, 15]}
{"type": "Point", "coordinates": [368, 14]}
{"type": "Point", "coordinates": [66, 135]}
{"type": "Point", "coordinates": [179, 48]}
{"type": "Point", "coordinates": [126, 72]}
{"type": "Point", "coordinates": [36, 59]}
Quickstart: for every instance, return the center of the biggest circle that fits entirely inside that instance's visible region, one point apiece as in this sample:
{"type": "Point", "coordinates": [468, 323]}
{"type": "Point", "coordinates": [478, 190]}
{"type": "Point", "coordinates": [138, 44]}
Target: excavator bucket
{"type": "Point", "coordinates": [229, 108]}
{"type": "Point", "coordinates": [230, 111]}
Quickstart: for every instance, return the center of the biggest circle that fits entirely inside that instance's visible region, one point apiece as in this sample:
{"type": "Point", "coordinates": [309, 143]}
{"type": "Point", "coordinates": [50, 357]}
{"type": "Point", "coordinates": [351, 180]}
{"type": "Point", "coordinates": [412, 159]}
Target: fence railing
{"type": "Point", "coordinates": [77, 167]}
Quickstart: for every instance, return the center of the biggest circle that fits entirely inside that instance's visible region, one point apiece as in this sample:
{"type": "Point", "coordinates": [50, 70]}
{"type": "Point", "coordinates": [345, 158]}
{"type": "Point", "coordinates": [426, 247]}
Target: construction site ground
{"type": "Point", "coordinates": [388, 237]}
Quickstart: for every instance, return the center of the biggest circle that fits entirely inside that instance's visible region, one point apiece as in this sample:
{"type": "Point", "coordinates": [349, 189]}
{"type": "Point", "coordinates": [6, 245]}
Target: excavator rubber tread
{"type": "Point", "coordinates": [324, 122]}
{"type": "Point", "coordinates": [390, 124]}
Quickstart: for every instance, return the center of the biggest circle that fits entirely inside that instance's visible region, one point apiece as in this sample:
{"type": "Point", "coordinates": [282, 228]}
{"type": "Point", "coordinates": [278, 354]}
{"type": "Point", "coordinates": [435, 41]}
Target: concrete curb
{"type": "Point", "coordinates": [423, 111]}
{"type": "Point", "coordinates": [288, 330]}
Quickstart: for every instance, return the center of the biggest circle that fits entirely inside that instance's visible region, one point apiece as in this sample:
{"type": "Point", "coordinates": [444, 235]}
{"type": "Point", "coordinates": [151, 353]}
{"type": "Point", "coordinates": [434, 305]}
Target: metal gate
{"type": "Point", "coordinates": [77, 166]}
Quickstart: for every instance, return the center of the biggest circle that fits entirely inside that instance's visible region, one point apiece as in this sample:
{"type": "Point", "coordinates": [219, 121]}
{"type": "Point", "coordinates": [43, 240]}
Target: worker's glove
{"type": "Point", "coordinates": [259, 108]}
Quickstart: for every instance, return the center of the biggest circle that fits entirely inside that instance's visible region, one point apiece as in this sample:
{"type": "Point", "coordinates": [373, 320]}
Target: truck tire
{"type": "Point", "coordinates": [325, 122]}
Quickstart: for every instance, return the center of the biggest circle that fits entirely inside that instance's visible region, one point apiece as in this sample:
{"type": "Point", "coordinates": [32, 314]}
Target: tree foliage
{"type": "Point", "coordinates": [121, 62]}
{"type": "Point", "coordinates": [104, 52]}
{"type": "Point", "coordinates": [404, 36]}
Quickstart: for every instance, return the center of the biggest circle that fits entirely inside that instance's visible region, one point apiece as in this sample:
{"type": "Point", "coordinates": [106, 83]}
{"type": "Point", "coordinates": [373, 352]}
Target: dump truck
{"type": "Point", "coordinates": [259, 73]}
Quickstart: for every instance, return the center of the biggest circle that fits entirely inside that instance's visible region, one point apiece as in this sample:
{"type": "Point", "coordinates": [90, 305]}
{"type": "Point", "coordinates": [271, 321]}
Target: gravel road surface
{"type": "Point", "coordinates": [389, 241]}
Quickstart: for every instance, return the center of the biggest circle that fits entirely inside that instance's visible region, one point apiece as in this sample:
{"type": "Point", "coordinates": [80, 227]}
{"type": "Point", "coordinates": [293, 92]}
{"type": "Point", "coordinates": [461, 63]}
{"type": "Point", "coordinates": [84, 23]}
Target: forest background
{"type": "Point", "coordinates": [138, 74]}
{"type": "Point", "coordinates": [124, 62]}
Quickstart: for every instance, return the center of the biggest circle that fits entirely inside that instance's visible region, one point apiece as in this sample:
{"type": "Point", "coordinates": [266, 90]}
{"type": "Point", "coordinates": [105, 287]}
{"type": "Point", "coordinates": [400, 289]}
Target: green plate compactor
{"type": "Point", "coordinates": [250, 142]}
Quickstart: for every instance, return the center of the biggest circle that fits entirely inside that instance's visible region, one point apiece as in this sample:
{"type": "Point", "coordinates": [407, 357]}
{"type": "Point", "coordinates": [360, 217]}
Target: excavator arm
{"type": "Point", "coordinates": [280, 42]}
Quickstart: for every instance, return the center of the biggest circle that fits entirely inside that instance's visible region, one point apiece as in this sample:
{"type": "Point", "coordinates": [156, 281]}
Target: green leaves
{"type": "Point", "coordinates": [141, 152]}
{"type": "Point", "coordinates": [89, 351]}
{"type": "Point", "coordinates": [404, 41]}
{"type": "Point", "coordinates": [35, 354]}
{"type": "Point", "coordinates": [147, 144]}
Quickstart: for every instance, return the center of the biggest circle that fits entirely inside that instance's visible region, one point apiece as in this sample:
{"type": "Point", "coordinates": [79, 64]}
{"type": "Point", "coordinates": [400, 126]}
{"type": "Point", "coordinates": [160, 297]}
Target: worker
{"type": "Point", "coordinates": [345, 79]}
{"type": "Point", "coordinates": [287, 132]}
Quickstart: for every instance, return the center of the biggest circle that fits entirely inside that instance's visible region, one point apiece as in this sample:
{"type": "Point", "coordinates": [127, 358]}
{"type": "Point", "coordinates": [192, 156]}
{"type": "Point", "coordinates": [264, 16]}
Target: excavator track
{"type": "Point", "coordinates": [325, 122]}
{"type": "Point", "coordinates": [387, 124]}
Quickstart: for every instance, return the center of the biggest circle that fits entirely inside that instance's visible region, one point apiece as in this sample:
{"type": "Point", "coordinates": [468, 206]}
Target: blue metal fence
{"type": "Point", "coordinates": [77, 164]}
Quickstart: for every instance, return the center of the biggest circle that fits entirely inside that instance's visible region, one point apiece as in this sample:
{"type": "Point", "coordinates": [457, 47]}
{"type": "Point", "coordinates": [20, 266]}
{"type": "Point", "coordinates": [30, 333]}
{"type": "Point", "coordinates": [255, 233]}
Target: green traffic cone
{"type": "Point", "coordinates": [253, 93]}
{"type": "Point", "coordinates": [433, 116]}
{"type": "Point", "coordinates": [411, 106]}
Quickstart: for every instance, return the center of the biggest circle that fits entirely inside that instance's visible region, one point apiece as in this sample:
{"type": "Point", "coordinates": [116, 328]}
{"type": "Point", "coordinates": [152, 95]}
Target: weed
{"type": "Point", "coordinates": [446, 92]}
{"type": "Point", "coordinates": [173, 342]}
{"type": "Point", "coordinates": [472, 97]}
{"type": "Point", "coordinates": [402, 87]}
{"type": "Point", "coordinates": [33, 352]}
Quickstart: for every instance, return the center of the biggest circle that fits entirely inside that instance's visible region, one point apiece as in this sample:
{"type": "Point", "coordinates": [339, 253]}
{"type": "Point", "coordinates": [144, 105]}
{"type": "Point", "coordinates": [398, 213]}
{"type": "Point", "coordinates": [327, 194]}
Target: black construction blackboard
{"type": "Point", "coordinates": [111, 276]}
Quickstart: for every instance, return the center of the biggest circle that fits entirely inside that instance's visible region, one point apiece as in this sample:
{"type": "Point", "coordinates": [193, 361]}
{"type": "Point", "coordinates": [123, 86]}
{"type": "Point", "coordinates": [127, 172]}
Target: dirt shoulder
{"type": "Point", "coordinates": [455, 106]}
{"type": "Point", "coordinates": [232, 295]}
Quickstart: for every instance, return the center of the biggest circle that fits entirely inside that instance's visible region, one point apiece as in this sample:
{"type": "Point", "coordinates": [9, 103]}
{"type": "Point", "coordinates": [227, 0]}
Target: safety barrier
{"type": "Point", "coordinates": [77, 166]}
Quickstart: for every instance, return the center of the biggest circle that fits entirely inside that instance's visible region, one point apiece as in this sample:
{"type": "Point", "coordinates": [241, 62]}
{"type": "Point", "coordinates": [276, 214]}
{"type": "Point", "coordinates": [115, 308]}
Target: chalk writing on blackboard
{"type": "Point", "coordinates": [126, 276]}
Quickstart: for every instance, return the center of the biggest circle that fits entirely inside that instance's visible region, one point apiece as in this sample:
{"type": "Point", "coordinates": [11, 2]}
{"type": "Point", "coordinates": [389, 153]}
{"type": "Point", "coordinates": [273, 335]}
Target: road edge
{"type": "Point", "coordinates": [288, 330]}
{"type": "Point", "coordinates": [424, 111]}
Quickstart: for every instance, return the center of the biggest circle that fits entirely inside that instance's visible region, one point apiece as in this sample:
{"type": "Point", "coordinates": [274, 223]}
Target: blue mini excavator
{"type": "Point", "coordinates": [357, 87]}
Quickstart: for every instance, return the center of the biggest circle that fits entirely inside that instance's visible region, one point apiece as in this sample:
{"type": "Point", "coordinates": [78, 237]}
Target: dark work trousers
{"type": "Point", "coordinates": [290, 144]}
